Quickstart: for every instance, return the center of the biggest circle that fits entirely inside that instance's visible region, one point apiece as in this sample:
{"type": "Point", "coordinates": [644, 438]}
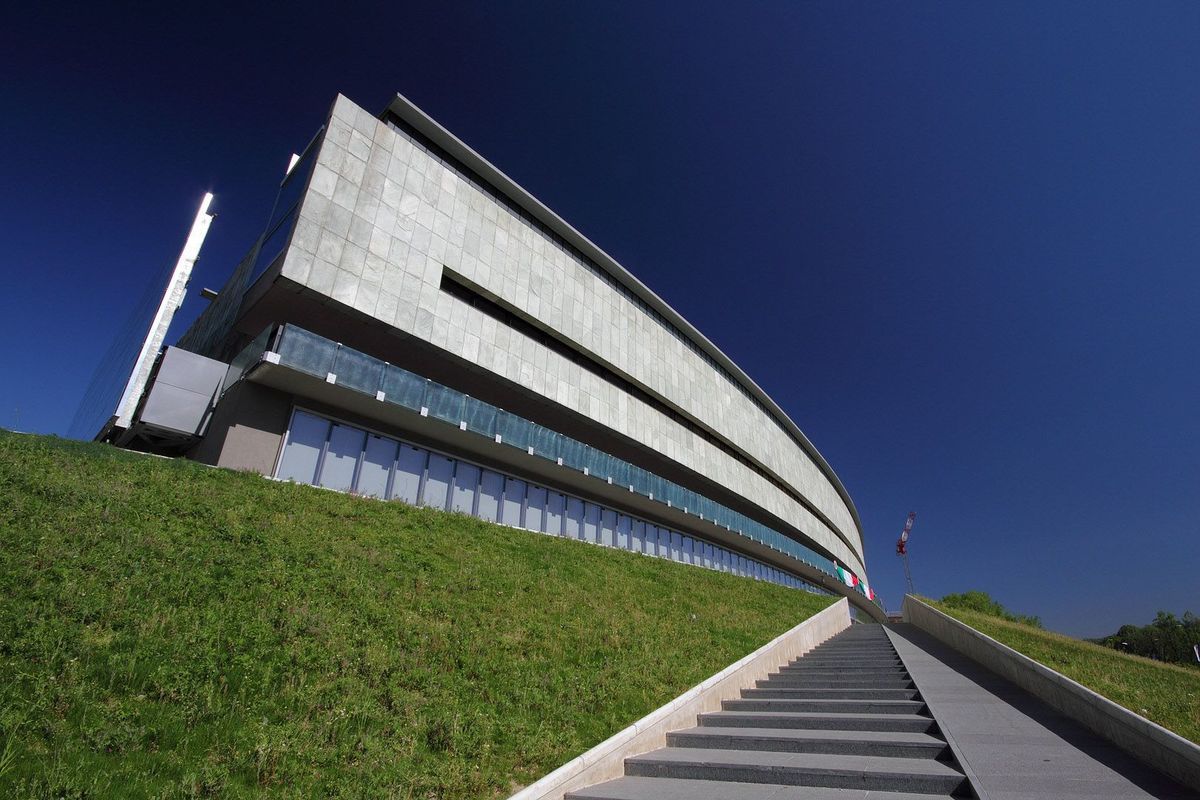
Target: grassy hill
{"type": "Point", "coordinates": [171, 630]}
{"type": "Point", "coordinates": [1168, 694]}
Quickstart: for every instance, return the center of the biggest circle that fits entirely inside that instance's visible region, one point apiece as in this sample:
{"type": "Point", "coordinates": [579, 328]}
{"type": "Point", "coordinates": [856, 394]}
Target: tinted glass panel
{"type": "Point", "coordinates": [574, 521]}
{"type": "Point", "coordinates": [341, 458]}
{"type": "Point", "coordinates": [544, 442]}
{"type": "Point", "coordinates": [479, 416]}
{"type": "Point", "coordinates": [608, 527]}
{"type": "Point", "coordinates": [513, 430]}
{"type": "Point", "coordinates": [535, 508]}
{"type": "Point", "coordinates": [591, 522]}
{"type": "Point", "coordinates": [492, 488]}
{"type": "Point", "coordinates": [376, 466]}
{"type": "Point", "coordinates": [466, 479]}
{"type": "Point", "coordinates": [410, 466]}
{"type": "Point", "coordinates": [637, 536]}
{"type": "Point", "coordinates": [437, 484]}
{"type": "Point", "coordinates": [650, 547]}
{"type": "Point", "coordinates": [555, 509]}
{"type": "Point", "coordinates": [306, 351]}
{"type": "Point", "coordinates": [358, 370]}
{"type": "Point", "coordinates": [444, 403]}
{"type": "Point", "coordinates": [403, 388]}
{"type": "Point", "coordinates": [305, 440]}
{"type": "Point", "coordinates": [623, 525]}
{"type": "Point", "coordinates": [514, 499]}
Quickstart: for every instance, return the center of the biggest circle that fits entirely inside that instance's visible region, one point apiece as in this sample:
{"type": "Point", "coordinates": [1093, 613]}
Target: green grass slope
{"type": "Point", "coordinates": [170, 630]}
{"type": "Point", "coordinates": [1164, 693]}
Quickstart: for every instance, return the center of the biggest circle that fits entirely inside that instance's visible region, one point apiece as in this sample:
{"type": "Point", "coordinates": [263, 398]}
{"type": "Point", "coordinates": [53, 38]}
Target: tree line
{"type": "Point", "coordinates": [1167, 638]}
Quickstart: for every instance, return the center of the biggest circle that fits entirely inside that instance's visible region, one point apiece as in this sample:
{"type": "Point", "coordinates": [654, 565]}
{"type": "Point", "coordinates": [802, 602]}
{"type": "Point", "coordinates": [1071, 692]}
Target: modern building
{"type": "Point", "coordinates": [413, 325]}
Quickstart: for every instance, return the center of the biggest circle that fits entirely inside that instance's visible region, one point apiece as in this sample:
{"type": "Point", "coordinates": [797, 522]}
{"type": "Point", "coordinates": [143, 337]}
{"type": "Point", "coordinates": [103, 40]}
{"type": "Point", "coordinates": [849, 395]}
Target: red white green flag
{"type": "Point", "coordinates": [846, 575]}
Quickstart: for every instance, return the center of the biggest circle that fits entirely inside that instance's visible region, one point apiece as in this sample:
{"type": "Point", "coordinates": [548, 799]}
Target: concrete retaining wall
{"type": "Point", "coordinates": [606, 761]}
{"type": "Point", "coordinates": [1138, 736]}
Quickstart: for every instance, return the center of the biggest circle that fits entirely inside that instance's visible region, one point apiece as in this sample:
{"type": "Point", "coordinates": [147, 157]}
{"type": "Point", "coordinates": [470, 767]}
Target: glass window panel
{"type": "Point", "coordinates": [437, 481]}
{"type": "Point", "coordinates": [376, 466]}
{"type": "Point", "coordinates": [410, 466]}
{"type": "Point", "coordinates": [490, 495]}
{"type": "Point", "coordinates": [275, 242]}
{"type": "Point", "coordinates": [555, 509]}
{"type": "Point", "coordinates": [535, 508]}
{"type": "Point", "coordinates": [305, 440]}
{"type": "Point", "coordinates": [676, 546]}
{"type": "Point", "coordinates": [341, 457]}
{"type": "Point", "coordinates": [443, 402]}
{"type": "Point", "coordinates": [466, 481]}
{"type": "Point", "coordinates": [608, 527]}
{"type": "Point", "coordinates": [357, 370]}
{"type": "Point", "coordinates": [591, 522]}
{"type": "Point", "coordinates": [623, 527]}
{"type": "Point", "coordinates": [650, 541]}
{"type": "Point", "coordinates": [403, 388]}
{"type": "Point", "coordinates": [637, 536]}
{"type": "Point", "coordinates": [686, 550]}
{"type": "Point", "coordinates": [514, 498]}
{"type": "Point", "coordinates": [573, 523]}
{"type": "Point", "coordinates": [306, 351]}
{"type": "Point", "coordinates": [479, 416]}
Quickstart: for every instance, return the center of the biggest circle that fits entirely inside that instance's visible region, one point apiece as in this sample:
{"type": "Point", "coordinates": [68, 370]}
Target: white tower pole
{"type": "Point", "coordinates": [171, 302]}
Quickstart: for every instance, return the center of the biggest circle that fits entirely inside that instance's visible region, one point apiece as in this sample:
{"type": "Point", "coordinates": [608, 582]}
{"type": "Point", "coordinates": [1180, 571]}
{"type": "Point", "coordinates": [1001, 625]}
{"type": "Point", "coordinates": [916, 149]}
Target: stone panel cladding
{"type": "Point", "coordinates": [381, 217]}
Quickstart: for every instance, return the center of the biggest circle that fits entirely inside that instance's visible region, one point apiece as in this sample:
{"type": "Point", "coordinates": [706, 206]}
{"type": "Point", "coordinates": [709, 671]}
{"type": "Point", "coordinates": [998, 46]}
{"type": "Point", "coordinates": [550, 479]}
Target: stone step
{"type": "Point", "coordinates": [629, 788]}
{"type": "Point", "coordinates": [853, 647]}
{"type": "Point", "coordinates": [841, 663]}
{"type": "Point", "coordinates": [842, 658]}
{"type": "Point", "coordinates": [847, 666]}
{"type": "Point", "coordinates": [812, 720]}
{"type": "Point", "coordinates": [826, 672]}
{"type": "Point", "coordinates": [841, 655]}
{"type": "Point", "coordinates": [799, 769]}
{"type": "Point", "coordinates": [891, 744]}
{"type": "Point", "coordinates": [801, 681]}
{"type": "Point", "coordinates": [827, 706]}
{"type": "Point", "coordinates": [831, 693]}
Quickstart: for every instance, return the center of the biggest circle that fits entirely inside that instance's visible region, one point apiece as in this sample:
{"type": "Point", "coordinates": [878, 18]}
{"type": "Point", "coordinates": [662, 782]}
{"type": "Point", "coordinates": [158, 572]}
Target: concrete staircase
{"type": "Point", "coordinates": [842, 723]}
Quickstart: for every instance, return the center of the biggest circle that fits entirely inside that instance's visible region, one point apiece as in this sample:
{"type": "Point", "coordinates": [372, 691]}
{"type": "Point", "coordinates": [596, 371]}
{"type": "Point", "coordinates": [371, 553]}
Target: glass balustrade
{"type": "Point", "coordinates": [315, 355]}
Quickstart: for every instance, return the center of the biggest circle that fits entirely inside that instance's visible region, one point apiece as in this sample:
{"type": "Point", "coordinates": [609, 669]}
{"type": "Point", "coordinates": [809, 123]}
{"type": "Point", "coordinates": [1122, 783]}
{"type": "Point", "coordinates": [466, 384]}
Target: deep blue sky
{"type": "Point", "coordinates": [957, 242]}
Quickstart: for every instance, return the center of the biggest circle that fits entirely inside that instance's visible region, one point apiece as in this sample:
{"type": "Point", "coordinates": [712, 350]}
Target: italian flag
{"type": "Point", "coordinates": [846, 575]}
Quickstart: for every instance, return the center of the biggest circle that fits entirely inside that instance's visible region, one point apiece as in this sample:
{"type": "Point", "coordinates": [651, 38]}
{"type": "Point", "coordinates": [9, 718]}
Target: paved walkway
{"type": "Point", "coordinates": [1013, 746]}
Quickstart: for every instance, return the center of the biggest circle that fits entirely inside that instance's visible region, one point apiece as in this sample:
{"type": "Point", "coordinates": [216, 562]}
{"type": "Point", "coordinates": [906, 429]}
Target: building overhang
{"type": "Point", "coordinates": [404, 109]}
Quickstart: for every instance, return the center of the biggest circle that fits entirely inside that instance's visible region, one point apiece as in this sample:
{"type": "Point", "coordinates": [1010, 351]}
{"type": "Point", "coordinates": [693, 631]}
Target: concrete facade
{"type": "Point", "coordinates": [384, 218]}
{"type": "Point", "coordinates": [395, 206]}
